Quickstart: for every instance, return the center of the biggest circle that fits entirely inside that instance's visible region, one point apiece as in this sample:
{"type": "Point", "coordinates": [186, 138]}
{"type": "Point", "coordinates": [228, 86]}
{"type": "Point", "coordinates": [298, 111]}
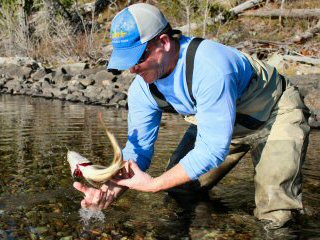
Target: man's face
{"type": "Point", "coordinates": [153, 67]}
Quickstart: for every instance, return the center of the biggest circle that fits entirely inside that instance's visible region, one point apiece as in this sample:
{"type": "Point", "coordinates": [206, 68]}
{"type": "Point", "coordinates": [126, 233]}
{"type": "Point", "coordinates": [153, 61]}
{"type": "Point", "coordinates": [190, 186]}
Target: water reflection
{"type": "Point", "coordinates": [38, 202]}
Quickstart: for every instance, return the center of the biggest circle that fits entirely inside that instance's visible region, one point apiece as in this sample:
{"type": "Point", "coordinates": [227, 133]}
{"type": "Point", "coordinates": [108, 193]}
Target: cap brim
{"type": "Point", "coordinates": [123, 59]}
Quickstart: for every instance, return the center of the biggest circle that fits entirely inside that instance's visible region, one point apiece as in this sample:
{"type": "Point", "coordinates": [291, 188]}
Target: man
{"type": "Point", "coordinates": [238, 102]}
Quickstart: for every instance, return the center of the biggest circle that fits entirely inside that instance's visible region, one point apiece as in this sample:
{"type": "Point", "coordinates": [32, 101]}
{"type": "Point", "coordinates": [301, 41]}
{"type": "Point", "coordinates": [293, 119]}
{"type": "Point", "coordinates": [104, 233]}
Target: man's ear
{"type": "Point", "coordinates": [165, 42]}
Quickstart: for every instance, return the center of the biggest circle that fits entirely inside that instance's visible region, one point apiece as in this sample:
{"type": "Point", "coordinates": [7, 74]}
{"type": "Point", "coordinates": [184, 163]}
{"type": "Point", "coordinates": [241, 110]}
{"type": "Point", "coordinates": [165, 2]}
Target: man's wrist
{"type": "Point", "coordinates": [157, 184]}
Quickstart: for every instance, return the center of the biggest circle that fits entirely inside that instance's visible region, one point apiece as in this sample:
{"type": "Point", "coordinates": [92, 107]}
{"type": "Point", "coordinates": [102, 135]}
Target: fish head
{"type": "Point", "coordinates": [76, 161]}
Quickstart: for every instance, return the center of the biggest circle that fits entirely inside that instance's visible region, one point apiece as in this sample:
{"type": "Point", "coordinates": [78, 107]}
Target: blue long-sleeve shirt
{"type": "Point", "coordinates": [221, 75]}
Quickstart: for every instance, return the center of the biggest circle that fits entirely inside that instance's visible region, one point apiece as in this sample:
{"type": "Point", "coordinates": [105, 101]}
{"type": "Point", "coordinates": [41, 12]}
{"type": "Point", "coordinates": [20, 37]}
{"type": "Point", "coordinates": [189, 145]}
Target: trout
{"type": "Point", "coordinates": [96, 174]}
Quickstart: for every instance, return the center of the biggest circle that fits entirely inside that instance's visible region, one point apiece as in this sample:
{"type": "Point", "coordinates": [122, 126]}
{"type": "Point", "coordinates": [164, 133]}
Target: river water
{"type": "Point", "coordinates": [37, 200]}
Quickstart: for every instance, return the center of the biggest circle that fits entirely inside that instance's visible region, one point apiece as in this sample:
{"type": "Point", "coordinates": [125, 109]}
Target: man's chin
{"type": "Point", "coordinates": [147, 80]}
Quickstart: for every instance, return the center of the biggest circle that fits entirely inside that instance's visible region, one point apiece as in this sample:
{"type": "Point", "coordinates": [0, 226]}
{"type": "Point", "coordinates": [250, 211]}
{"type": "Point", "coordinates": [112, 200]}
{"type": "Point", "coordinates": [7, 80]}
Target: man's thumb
{"type": "Point", "coordinates": [80, 187]}
{"type": "Point", "coordinates": [134, 166]}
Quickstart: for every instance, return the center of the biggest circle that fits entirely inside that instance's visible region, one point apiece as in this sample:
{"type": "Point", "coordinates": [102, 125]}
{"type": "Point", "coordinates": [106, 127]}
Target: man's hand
{"type": "Point", "coordinates": [139, 180]}
{"type": "Point", "coordinates": [98, 199]}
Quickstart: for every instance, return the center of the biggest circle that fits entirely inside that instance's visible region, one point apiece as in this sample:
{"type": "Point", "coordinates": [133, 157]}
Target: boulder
{"type": "Point", "coordinates": [86, 82]}
{"type": "Point", "coordinates": [118, 97]}
{"type": "Point", "coordinates": [74, 85]}
{"type": "Point", "coordinates": [93, 93]}
{"type": "Point", "coordinates": [306, 83]}
{"type": "Point", "coordinates": [41, 73]}
{"type": "Point", "coordinates": [20, 61]}
{"type": "Point", "coordinates": [102, 76]}
{"type": "Point", "coordinates": [2, 82]}
{"type": "Point", "coordinates": [92, 71]}
{"type": "Point", "coordinates": [13, 86]}
{"type": "Point", "coordinates": [74, 69]}
{"type": "Point", "coordinates": [60, 94]}
{"type": "Point", "coordinates": [13, 70]}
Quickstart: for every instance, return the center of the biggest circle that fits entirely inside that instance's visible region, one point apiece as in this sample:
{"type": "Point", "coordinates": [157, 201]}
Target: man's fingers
{"type": "Point", "coordinates": [84, 204]}
{"type": "Point", "coordinates": [80, 187]}
{"type": "Point", "coordinates": [104, 188]}
{"type": "Point", "coordinates": [122, 182]}
{"type": "Point", "coordinates": [97, 197]}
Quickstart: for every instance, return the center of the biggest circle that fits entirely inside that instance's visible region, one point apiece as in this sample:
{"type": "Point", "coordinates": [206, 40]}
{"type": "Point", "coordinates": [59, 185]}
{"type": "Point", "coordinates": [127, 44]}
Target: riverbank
{"type": "Point", "coordinates": [93, 84]}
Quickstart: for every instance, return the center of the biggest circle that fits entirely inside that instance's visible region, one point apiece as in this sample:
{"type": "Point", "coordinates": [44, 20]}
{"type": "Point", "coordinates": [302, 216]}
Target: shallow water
{"type": "Point", "coordinates": [37, 200]}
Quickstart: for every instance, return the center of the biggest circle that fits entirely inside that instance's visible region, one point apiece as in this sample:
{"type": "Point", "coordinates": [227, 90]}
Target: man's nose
{"type": "Point", "coordinates": [134, 69]}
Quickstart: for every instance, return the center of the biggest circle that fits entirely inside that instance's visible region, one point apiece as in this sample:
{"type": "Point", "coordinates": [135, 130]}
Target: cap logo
{"type": "Point", "coordinates": [124, 31]}
{"type": "Point", "coordinates": [120, 34]}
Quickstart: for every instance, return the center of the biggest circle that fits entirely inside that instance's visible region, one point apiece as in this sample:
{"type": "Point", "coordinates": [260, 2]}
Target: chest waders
{"type": "Point", "coordinates": [249, 117]}
{"type": "Point", "coordinates": [271, 122]}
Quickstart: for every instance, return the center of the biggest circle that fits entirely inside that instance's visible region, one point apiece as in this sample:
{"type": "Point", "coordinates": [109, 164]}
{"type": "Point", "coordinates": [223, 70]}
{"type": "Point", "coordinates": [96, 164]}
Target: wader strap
{"type": "Point", "coordinates": [191, 52]}
{"type": "Point", "coordinates": [158, 96]}
{"type": "Point", "coordinates": [248, 122]}
{"type": "Point", "coordinates": [160, 99]}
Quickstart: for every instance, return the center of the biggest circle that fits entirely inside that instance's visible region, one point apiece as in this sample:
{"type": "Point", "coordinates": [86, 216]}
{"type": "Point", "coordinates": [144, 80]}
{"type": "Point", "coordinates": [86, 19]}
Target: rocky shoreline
{"type": "Point", "coordinates": [80, 82]}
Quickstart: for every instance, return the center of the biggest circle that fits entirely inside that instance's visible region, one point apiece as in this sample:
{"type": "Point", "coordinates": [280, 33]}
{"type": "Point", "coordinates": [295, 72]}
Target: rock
{"type": "Point", "coordinates": [36, 88]}
{"type": "Point", "coordinates": [312, 101]}
{"type": "Point", "coordinates": [41, 73]}
{"type": "Point", "coordinates": [118, 97]}
{"type": "Point", "coordinates": [60, 94]}
{"type": "Point", "coordinates": [276, 60]}
{"type": "Point", "coordinates": [14, 70]}
{"type": "Point", "coordinates": [13, 86]}
{"type": "Point", "coordinates": [20, 61]}
{"type": "Point", "coordinates": [92, 71]}
{"type": "Point", "coordinates": [72, 98]}
{"type": "Point", "coordinates": [86, 82]}
{"type": "Point", "coordinates": [74, 69]}
{"type": "Point", "coordinates": [93, 92]}
{"type": "Point", "coordinates": [47, 78]}
{"type": "Point", "coordinates": [107, 94]}
{"type": "Point", "coordinates": [2, 82]}
{"type": "Point", "coordinates": [314, 120]}
{"type": "Point", "coordinates": [74, 85]}
{"type": "Point", "coordinates": [103, 75]}
{"type": "Point", "coordinates": [59, 77]}
{"type": "Point", "coordinates": [123, 103]}
{"type": "Point", "coordinates": [306, 83]}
